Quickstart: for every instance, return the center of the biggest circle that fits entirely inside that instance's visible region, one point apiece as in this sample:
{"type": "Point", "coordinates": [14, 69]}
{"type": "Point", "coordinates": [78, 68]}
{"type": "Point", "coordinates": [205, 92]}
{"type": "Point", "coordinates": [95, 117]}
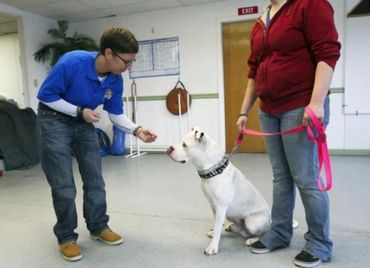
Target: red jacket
{"type": "Point", "coordinates": [284, 56]}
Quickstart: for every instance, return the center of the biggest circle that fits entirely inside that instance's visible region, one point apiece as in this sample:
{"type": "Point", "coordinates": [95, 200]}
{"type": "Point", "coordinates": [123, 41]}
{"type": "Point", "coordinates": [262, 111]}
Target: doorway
{"type": "Point", "coordinates": [11, 79]}
{"type": "Point", "coordinates": [236, 50]}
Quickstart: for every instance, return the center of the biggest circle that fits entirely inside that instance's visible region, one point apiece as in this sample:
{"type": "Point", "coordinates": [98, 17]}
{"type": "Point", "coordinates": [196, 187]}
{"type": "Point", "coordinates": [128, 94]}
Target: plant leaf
{"type": "Point", "coordinates": [55, 50]}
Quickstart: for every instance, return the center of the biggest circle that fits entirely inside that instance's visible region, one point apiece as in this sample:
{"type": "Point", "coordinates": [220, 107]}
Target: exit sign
{"type": "Point", "coordinates": [247, 10]}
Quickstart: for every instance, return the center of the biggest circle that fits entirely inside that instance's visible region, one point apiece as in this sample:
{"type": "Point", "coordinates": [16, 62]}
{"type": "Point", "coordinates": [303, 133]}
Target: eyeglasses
{"type": "Point", "coordinates": [126, 62]}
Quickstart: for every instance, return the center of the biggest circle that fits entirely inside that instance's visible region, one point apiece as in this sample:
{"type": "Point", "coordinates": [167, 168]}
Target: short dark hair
{"type": "Point", "coordinates": [119, 40]}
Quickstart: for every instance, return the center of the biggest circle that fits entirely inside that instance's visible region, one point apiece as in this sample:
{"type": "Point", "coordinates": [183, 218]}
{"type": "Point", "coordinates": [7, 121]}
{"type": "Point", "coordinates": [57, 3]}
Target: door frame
{"type": "Point", "coordinates": [221, 82]}
{"type": "Point", "coordinates": [23, 62]}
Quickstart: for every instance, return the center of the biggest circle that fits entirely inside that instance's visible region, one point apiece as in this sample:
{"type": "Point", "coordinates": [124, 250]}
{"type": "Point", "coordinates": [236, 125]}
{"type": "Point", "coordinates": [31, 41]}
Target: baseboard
{"type": "Point", "coordinates": [344, 152]}
{"type": "Point", "coordinates": [339, 152]}
{"type": "Point", "coordinates": [150, 149]}
{"type": "Point", "coordinates": [349, 152]}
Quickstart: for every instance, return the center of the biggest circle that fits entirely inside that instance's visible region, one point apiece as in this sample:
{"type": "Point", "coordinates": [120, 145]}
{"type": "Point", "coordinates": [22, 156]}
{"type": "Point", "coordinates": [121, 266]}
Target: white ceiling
{"type": "Point", "coordinates": [80, 10]}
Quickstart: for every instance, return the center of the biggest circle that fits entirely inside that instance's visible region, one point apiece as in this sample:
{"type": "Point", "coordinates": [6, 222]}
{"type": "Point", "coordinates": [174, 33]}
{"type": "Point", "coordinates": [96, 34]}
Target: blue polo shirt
{"type": "Point", "coordinates": [74, 79]}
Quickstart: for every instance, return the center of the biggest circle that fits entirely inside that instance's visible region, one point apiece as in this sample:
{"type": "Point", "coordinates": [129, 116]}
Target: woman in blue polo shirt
{"type": "Point", "coordinates": [77, 84]}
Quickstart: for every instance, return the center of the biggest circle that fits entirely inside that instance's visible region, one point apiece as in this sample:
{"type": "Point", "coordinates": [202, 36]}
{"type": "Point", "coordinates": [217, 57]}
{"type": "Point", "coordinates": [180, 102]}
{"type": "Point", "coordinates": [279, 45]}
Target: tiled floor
{"type": "Point", "coordinates": [159, 208]}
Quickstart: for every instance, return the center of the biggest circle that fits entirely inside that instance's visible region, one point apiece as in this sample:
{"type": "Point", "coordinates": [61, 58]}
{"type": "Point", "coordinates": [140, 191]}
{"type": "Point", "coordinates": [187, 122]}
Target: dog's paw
{"type": "Point", "coordinates": [295, 224]}
{"type": "Point", "coordinates": [210, 233]}
{"type": "Point", "coordinates": [250, 241]}
{"type": "Point", "coordinates": [211, 249]}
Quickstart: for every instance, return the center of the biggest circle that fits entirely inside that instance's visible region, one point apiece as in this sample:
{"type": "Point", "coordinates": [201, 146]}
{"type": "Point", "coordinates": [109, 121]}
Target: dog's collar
{"type": "Point", "coordinates": [215, 170]}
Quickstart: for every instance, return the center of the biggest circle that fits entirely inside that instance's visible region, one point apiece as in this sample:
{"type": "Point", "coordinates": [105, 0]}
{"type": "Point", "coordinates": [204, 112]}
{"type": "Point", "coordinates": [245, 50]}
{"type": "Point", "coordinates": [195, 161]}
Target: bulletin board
{"type": "Point", "coordinates": [157, 57]}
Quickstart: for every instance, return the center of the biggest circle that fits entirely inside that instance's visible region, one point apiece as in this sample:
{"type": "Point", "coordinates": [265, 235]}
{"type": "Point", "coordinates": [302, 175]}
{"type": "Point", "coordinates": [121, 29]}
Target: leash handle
{"type": "Point", "coordinates": [320, 140]}
{"type": "Point", "coordinates": [322, 148]}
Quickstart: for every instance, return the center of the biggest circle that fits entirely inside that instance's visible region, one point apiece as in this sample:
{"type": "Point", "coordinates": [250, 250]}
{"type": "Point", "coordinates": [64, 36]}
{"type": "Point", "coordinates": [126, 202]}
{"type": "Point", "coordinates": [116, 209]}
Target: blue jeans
{"type": "Point", "coordinates": [294, 162]}
{"type": "Point", "coordinates": [60, 136]}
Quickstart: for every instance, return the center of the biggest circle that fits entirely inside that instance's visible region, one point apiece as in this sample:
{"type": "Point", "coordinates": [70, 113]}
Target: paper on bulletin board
{"type": "Point", "coordinates": [157, 57]}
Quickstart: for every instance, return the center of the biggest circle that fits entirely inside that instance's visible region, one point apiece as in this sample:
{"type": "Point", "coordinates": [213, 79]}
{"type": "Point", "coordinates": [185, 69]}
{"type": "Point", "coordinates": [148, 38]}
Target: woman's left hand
{"type": "Point", "coordinates": [319, 112]}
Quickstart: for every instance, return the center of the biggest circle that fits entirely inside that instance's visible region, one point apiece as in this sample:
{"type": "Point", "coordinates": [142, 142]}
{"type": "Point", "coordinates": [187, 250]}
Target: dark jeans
{"type": "Point", "coordinates": [60, 136]}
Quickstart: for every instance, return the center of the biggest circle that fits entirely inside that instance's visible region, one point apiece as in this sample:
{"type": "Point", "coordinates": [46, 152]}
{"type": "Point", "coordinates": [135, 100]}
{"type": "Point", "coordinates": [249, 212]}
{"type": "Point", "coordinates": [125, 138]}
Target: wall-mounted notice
{"type": "Point", "coordinates": [157, 57]}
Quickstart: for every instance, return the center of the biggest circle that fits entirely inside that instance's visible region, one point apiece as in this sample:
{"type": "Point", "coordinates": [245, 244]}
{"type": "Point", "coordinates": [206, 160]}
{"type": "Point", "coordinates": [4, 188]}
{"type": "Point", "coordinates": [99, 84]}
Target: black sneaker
{"type": "Point", "coordinates": [259, 248]}
{"type": "Point", "coordinates": [305, 259]}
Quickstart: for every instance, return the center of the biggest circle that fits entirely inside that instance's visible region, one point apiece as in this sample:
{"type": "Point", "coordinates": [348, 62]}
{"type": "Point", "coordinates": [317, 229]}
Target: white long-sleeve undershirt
{"type": "Point", "coordinates": [62, 106]}
{"type": "Point", "coordinates": [121, 121]}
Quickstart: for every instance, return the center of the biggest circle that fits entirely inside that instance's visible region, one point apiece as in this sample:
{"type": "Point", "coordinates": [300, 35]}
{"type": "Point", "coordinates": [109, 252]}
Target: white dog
{"type": "Point", "coordinates": [229, 193]}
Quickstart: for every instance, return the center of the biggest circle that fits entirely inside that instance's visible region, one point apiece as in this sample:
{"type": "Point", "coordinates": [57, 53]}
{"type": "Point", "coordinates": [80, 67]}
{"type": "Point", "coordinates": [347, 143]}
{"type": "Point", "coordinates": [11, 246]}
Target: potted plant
{"type": "Point", "coordinates": [64, 44]}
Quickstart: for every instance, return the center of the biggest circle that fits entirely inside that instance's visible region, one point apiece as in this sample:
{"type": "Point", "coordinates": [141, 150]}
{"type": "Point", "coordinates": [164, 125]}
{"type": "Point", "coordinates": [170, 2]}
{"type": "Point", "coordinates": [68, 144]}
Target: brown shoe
{"type": "Point", "coordinates": [108, 237]}
{"type": "Point", "coordinates": [70, 251]}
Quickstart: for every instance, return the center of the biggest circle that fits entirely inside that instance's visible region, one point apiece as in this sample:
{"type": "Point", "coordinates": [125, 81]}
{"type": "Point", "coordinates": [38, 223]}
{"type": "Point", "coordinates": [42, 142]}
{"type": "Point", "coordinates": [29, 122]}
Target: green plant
{"type": "Point", "coordinates": [64, 44]}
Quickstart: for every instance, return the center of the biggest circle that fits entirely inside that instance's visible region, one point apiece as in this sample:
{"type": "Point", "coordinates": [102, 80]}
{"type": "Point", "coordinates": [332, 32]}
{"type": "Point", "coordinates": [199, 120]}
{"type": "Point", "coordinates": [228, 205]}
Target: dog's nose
{"type": "Point", "coordinates": [170, 150]}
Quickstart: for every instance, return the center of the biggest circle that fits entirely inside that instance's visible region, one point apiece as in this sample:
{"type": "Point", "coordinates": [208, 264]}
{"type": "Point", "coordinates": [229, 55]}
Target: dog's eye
{"type": "Point", "coordinates": [184, 145]}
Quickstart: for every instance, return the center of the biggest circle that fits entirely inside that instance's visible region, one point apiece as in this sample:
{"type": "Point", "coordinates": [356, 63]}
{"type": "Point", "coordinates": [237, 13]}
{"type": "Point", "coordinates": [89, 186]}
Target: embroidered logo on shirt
{"type": "Point", "coordinates": [108, 94]}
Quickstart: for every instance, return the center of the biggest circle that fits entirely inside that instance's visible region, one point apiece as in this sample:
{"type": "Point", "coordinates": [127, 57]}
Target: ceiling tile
{"type": "Point", "coordinates": [143, 7]}
{"type": "Point", "coordinates": [79, 10]}
{"type": "Point", "coordinates": [198, 2]}
{"type": "Point", "coordinates": [83, 16]}
{"type": "Point", "coordinates": [29, 3]}
{"type": "Point", "coordinates": [101, 4]}
{"type": "Point", "coordinates": [61, 8]}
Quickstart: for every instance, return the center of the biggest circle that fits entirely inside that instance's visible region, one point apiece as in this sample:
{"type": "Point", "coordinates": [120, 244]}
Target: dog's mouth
{"type": "Point", "coordinates": [169, 153]}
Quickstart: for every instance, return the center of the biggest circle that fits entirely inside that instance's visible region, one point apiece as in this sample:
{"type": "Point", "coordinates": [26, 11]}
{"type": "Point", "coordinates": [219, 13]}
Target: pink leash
{"type": "Point", "coordinates": [320, 140]}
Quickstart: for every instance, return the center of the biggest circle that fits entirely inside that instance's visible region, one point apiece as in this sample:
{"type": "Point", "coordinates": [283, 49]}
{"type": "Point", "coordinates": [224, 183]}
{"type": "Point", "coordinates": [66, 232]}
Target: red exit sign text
{"type": "Point", "coordinates": [247, 10]}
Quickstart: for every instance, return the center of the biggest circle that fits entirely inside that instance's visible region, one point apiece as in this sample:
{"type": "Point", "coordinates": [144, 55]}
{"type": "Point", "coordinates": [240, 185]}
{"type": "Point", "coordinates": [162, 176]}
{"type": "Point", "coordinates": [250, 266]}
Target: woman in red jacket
{"type": "Point", "coordinates": [294, 51]}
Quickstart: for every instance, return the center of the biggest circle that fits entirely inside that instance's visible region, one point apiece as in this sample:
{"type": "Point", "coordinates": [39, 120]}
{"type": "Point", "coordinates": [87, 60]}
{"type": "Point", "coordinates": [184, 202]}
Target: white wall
{"type": "Point", "coordinates": [198, 29]}
{"type": "Point", "coordinates": [348, 130]}
{"type": "Point", "coordinates": [357, 80]}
